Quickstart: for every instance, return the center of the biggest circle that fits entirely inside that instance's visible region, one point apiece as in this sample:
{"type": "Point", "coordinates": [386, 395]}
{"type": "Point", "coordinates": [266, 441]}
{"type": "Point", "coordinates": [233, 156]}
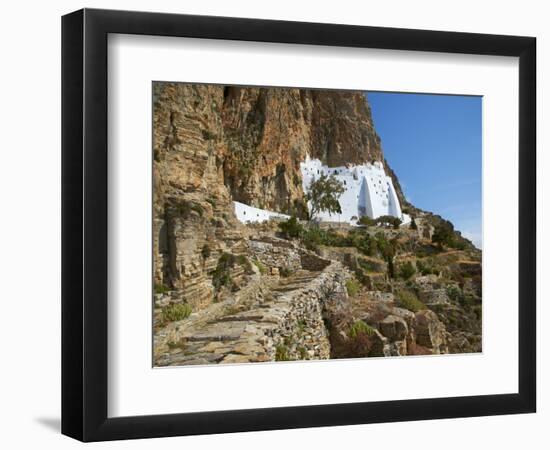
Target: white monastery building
{"type": "Point", "coordinates": [368, 192]}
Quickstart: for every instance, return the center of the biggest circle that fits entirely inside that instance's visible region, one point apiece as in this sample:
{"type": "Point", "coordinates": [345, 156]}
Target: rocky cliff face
{"type": "Point", "coordinates": [213, 144]}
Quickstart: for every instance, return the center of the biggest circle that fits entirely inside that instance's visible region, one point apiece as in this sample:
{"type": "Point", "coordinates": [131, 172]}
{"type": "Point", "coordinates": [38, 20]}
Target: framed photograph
{"type": "Point", "coordinates": [273, 225]}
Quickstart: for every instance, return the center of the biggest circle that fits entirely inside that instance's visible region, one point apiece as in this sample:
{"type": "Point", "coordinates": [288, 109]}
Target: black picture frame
{"type": "Point", "coordinates": [84, 224]}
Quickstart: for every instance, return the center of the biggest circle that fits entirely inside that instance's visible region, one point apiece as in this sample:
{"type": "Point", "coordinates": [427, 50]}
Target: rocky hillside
{"type": "Point", "coordinates": [215, 144]}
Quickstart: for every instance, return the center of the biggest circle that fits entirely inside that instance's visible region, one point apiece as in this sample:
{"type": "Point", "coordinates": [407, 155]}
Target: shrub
{"type": "Point", "coordinates": [360, 341]}
{"type": "Point", "coordinates": [388, 220]}
{"type": "Point", "coordinates": [303, 353]}
{"type": "Point", "coordinates": [243, 261]}
{"type": "Point", "coordinates": [468, 301]}
{"type": "Point", "coordinates": [366, 245]}
{"type": "Point", "coordinates": [176, 311]}
{"type": "Point", "coordinates": [455, 294]}
{"type": "Point", "coordinates": [360, 328]}
{"type": "Point", "coordinates": [220, 276]}
{"type": "Point", "coordinates": [459, 244]}
{"type": "Point", "coordinates": [414, 226]}
{"type": "Point", "coordinates": [408, 300]}
{"type": "Point", "coordinates": [444, 234]}
{"type": "Point", "coordinates": [185, 207]}
{"type": "Point", "coordinates": [384, 246]}
{"type": "Point", "coordinates": [227, 260]}
{"type": "Point", "coordinates": [281, 353]}
{"type": "Point", "coordinates": [367, 221]}
{"type": "Point", "coordinates": [407, 270]}
{"type": "Point", "coordinates": [197, 208]}
{"type": "Point", "coordinates": [391, 270]}
{"type": "Point", "coordinates": [291, 228]}
{"type": "Point", "coordinates": [261, 266]}
{"type": "Point", "coordinates": [285, 272]}
{"type": "Point", "coordinates": [161, 289]}
{"type": "Point", "coordinates": [311, 238]}
{"type": "Point", "coordinates": [422, 268]}
{"type": "Point", "coordinates": [427, 267]}
{"type": "Point", "coordinates": [205, 252]}
{"type": "Point", "coordinates": [352, 286]}
{"type": "Point", "coordinates": [208, 135]}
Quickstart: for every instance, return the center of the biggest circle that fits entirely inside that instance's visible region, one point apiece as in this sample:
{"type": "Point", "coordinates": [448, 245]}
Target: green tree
{"type": "Point", "coordinates": [409, 300]}
{"type": "Point", "coordinates": [414, 226]}
{"type": "Point", "coordinates": [388, 250]}
{"type": "Point", "coordinates": [291, 228]}
{"type": "Point", "coordinates": [367, 221]}
{"type": "Point", "coordinates": [388, 220]}
{"type": "Point", "coordinates": [407, 270]}
{"type": "Point", "coordinates": [444, 234]}
{"type": "Point", "coordinates": [396, 223]}
{"type": "Point", "coordinates": [391, 269]}
{"type": "Point", "coordinates": [323, 195]}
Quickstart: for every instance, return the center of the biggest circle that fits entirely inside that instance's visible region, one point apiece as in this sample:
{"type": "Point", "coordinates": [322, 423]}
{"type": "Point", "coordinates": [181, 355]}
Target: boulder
{"type": "Point", "coordinates": [430, 332]}
{"type": "Point", "coordinates": [434, 296]}
{"type": "Point", "coordinates": [394, 328]}
{"type": "Point", "coordinates": [379, 345]}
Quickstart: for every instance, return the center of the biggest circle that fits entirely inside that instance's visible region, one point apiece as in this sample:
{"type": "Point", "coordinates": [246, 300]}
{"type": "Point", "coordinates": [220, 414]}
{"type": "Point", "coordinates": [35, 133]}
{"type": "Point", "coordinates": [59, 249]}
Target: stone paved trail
{"type": "Point", "coordinates": [237, 333]}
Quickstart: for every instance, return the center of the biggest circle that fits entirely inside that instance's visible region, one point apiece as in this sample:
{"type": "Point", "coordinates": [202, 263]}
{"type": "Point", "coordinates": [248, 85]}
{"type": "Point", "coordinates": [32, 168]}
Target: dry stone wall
{"type": "Point", "coordinates": [282, 321]}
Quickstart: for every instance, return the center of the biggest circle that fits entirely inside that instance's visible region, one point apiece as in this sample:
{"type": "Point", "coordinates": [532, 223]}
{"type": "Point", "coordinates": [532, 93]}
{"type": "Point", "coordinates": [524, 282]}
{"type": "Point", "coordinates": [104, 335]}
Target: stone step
{"type": "Point", "coordinates": [216, 332]}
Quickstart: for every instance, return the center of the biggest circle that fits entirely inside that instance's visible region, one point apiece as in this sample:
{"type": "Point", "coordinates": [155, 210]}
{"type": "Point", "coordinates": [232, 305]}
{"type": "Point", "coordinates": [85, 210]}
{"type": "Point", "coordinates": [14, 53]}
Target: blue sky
{"type": "Point", "coordinates": [433, 143]}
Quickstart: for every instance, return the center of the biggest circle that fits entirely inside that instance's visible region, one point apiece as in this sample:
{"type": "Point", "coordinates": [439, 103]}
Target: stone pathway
{"type": "Point", "coordinates": [241, 333]}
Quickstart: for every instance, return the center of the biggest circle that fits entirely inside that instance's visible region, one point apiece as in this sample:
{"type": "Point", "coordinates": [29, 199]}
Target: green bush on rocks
{"type": "Point", "coordinates": [409, 300]}
{"type": "Point", "coordinates": [360, 328]}
{"type": "Point", "coordinates": [352, 286]}
{"type": "Point", "coordinates": [407, 270]}
{"type": "Point", "coordinates": [176, 311]}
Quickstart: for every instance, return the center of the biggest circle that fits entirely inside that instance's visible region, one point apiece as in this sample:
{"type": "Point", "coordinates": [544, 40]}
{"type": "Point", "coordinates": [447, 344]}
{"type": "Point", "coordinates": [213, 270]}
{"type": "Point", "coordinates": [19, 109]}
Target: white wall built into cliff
{"type": "Point", "coordinates": [246, 213]}
{"type": "Point", "coordinates": [368, 192]}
